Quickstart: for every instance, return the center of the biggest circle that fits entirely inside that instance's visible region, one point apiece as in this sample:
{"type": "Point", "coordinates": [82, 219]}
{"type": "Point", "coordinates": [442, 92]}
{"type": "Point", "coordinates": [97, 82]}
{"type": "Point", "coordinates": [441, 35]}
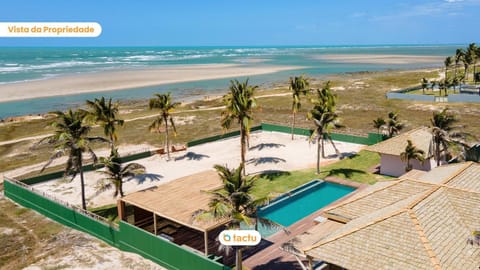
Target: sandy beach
{"type": "Point", "coordinates": [125, 79]}
{"type": "Point", "coordinates": [380, 58]}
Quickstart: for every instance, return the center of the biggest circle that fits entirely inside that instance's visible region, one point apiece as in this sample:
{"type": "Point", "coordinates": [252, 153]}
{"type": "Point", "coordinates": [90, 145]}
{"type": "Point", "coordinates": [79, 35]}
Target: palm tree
{"type": "Point", "coordinates": [324, 118]}
{"type": "Point", "coordinates": [299, 86]}
{"type": "Point", "coordinates": [71, 138]}
{"type": "Point", "coordinates": [472, 57]}
{"type": "Point", "coordinates": [165, 105]}
{"type": "Point", "coordinates": [379, 123]}
{"type": "Point", "coordinates": [444, 133]}
{"type": "Point", "coordinates": [115, 173]}
{"type": "Point", "coordinates": [424, 84]}
{"type": "Point", "coordinates": [234, 202]}
{"type": "Point", "coordinates": [105, 114]}
{"type": "Point", "coordinates": [394, 126]}
{"type": "Point", "coordinates": [412, 152]}
{"type": "Point", "coordinates": [239, 104]}
{"type": "Point", "coordinates": [448, 63]}
{"type": "Point", "coordinates": [459, 57]}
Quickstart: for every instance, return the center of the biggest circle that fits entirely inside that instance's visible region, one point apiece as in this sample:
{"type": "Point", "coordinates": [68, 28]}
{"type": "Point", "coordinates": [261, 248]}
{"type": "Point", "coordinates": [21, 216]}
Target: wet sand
{"type": "Point", "coordinates": [125, 79]}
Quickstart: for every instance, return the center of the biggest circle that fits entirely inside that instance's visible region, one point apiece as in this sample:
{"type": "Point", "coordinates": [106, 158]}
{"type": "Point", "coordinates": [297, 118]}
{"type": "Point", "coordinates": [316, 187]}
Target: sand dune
{"type": "Point", "coordinates": [115, 80]}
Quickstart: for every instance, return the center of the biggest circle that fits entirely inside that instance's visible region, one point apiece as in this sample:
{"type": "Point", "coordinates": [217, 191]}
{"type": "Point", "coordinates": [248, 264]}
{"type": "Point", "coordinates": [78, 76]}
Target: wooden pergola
{"type": "Point", "coordinates": [175, 202]}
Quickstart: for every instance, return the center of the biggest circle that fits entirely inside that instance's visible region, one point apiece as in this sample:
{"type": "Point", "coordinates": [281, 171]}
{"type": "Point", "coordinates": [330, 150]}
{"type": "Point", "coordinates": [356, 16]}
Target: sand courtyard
{"type": "Point", "coordinates": [268, 152]}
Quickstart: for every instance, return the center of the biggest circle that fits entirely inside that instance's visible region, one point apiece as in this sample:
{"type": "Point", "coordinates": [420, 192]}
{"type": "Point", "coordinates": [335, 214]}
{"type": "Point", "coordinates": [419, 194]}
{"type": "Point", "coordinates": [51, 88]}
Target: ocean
{"type": "Point", "coordinates": [26, 64]}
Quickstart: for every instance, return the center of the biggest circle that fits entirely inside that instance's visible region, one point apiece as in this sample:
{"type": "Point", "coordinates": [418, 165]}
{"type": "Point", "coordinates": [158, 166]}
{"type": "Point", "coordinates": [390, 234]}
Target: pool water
{"type": "Point", "coordinates": [303, 201]}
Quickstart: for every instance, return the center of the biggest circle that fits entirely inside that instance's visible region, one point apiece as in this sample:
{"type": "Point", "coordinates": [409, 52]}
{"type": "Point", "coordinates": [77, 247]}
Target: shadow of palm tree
{"type": "Point", "coordinates": [261, 146]}
{"type": "Point", "coordinates": [192, 156]}
{"type": "Point", "coordinates": [273, 174]}
{"type": "Point", "coordinates": [141, 178]}
{"type": "Point", "coordinates": [277, 264]}
{"type": "Point", "coordinates": [348, 173]}
{"type": "Point", "coordinates": [263, 160]}
{"type": "Point", "coordinates": [343, 155]}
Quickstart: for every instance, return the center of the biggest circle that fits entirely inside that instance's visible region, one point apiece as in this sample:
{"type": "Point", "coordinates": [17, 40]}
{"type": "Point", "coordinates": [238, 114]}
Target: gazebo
{"type": "Point", "coordinates": [167, 210]}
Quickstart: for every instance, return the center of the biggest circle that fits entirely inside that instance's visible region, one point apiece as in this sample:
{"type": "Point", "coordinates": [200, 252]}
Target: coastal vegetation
{"type": "Point", "coordinates": [299, 86]}
{"type": "Point", "coordinates": [105, 114]}
{"type": "Point", "coordinates": [357, 106]}
{"type": "Point", "coordinates": [453, 76]}
{"type": "Point", "coordinates": [164, 104]}
{"type": "Point", "coordinates": [324, 119]}
{"type": "Point", "coordinates": [411, 152]}
{"type": "Point", "coordinates": [234, 201]}
{"type": "Point", "coordinates": [239, 104]}
{"type": "Point", "coordinates": [71, 139]}
{"type": "Point", "coordinates": [446, 134]}
{"type": "Point", "coordinates": [115, 173]}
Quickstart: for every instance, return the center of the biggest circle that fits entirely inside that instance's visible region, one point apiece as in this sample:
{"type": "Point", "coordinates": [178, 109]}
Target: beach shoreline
{"type": "Point", "coordinates": [133, 78]}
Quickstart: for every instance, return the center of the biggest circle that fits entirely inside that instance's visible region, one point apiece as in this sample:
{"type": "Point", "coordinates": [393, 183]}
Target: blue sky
{"type": "Point", "coordinates": [250, 22]}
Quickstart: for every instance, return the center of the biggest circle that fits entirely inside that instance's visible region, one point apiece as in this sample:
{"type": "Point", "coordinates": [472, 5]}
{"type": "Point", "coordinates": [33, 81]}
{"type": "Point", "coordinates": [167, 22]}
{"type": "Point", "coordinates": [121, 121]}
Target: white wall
{"type": "Point", "coordinates": [394, 166]}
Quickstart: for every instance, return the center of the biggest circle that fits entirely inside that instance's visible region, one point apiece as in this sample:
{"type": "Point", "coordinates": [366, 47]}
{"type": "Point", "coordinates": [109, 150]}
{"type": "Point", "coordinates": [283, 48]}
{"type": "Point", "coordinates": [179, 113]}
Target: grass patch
{"type": "Point", "coordinates": [355, 168]}
{"type": "Point", "coordinates": [107, 211]}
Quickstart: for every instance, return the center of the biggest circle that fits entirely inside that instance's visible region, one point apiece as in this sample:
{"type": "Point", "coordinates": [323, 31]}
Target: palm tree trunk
{"type": "Point", "coordinates": [323, 147]}
{"type": "Point", "coordinates": [318, 155]}
{"type": "Point", "coordinates": [474, 78]}
{"type": "Point", "coordinates": [167, 143]}
{"type": "Point", "coordinates": [437, 153]}
{"type": "Point", "coordinates": [242, 147]}
{"type": "Point", "coordinates": [82, 183]}
{"type": "Point", "coordinates": [120, 188]}
{"type": "Point", "coordinates": [238, 258]}
{"type": "Point", "coordinates": [293, 124]}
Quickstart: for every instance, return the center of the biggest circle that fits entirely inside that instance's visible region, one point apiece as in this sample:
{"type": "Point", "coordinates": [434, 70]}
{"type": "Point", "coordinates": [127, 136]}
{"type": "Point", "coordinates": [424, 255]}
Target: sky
{"type": "Point", "coordinates": [252, 22]}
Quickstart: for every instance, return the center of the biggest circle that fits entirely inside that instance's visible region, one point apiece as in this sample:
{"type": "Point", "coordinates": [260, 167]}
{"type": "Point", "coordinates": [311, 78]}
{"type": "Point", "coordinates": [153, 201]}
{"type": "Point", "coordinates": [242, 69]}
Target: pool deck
{"type": "Point", "coordinates": [273, 257]}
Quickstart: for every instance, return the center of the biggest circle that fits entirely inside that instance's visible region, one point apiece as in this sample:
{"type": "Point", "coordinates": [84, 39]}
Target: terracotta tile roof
{"type": "Point", "coordinates": [427, 229]}
{"type": "Point", "coordinates": [420, 137]}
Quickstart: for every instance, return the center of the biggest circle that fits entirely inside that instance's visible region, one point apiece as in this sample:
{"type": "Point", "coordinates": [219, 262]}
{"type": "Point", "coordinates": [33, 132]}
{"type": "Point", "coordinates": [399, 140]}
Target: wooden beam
{"type": "Point", "coordinates": [121, 209]}
{"type": "Point", "coordinates": [310, 263]}
{"type": "Point", "coordinates": [205, 236]}
{"type": "Point", "coordinates": [154, 223]}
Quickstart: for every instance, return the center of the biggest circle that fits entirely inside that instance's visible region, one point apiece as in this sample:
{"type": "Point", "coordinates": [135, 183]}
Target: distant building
{"type": "Point", "coordinates": [390, 150]}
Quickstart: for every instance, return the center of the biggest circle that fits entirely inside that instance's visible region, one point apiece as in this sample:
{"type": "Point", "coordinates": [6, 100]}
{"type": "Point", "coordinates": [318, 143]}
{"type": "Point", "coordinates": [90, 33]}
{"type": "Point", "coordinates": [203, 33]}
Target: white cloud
{"type": "Point", "coordinates": [432, 8]}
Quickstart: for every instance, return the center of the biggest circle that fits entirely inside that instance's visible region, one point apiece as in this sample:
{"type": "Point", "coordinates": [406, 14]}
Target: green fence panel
{"type": "Point", "coordinates": [42, 178]}
{"type": "Point", "coordinates": [220, 137]}
{"type": "Point", "coordinates": [285, 129]}
{"type": "Point", "coordinates": [162, 251]}
{"type": "Point", "coordinates": [60, 213]}
{"type": "Point", "coordinates": [128, 237]}
{"type": "Point", "coordinates": [136, 156]}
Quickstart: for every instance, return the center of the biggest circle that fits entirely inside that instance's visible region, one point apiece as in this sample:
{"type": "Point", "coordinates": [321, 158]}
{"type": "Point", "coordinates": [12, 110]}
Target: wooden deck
{"type": "Point", "coordinates": [273, 257]}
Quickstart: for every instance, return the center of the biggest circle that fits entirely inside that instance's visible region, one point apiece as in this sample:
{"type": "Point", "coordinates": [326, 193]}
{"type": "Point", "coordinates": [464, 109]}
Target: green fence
{"type": "Point", "coordinates": [126, 237]}
{"type": "Point", "coordinates": [372, 138]}
{"type": "Point", "coordinates": [90, 167]}
{"type": "Point", "coordinates": [220, 137]}
{"type": "Point", "coordinates": [285, 129]}
{"type": "Point", "coordinates": [60, 213]}
{"type": "Point", "coordinates": [172, 256]}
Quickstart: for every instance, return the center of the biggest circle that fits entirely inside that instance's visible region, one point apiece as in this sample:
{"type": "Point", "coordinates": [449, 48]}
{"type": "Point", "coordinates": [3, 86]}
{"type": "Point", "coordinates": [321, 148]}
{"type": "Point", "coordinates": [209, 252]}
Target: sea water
{"type": "Point", "coordinates": [26, 64]}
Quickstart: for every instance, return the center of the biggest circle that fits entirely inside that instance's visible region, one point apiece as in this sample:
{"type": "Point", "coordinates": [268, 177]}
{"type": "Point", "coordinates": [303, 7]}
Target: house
{"type": "Point", "coordinates": [421, 223]}
{"type": "Point", "coordinates": [390, 150]}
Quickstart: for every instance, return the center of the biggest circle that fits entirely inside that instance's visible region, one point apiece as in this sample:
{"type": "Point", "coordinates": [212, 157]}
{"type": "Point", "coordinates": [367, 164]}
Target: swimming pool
{"type": "Point", "coordinates": [303, 201]}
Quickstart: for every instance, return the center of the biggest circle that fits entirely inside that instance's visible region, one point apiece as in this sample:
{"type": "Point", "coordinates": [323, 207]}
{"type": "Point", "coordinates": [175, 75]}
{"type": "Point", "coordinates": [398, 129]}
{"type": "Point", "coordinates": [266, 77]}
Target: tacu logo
{"type": "Point", "coordinates": [240, 237]}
